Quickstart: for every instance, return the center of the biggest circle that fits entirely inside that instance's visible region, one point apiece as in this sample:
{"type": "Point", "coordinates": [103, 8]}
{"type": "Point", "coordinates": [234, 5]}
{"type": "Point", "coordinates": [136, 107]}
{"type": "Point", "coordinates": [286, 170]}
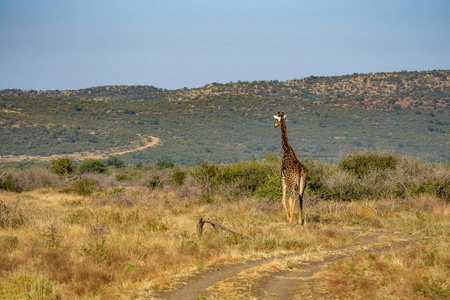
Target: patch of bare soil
{"type": "Point", "coordinates": [296, 275]}
{"type": "Point", "coordinates": [143, 144]}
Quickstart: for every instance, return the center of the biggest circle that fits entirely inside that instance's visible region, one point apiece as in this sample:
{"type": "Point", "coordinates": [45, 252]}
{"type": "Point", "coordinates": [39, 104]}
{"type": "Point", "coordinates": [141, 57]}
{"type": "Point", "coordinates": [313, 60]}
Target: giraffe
{"type": "Point", "coordinates": [292, 173]}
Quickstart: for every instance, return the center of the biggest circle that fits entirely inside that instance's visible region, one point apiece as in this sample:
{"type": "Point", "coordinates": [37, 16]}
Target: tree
{"type": "Point", "coordinates": [161, 165]}
{"type": "Point", "coordinates": [90, 165]}
{"type": "Point", "coordinates": [114, 161]}
{"type": "Point", "coordinates": [63, 166]}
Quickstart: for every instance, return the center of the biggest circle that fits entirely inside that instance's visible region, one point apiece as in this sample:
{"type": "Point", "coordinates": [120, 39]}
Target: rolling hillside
{"type": "Point", "coordinates": [407, 112]}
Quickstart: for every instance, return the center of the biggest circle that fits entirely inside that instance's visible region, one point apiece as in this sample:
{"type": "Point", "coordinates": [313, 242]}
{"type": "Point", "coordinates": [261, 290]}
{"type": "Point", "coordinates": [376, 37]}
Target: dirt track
{"type": "Point", "coordinates": [265, 279]}
{"type": "Point", "coordinates": [99, 154]}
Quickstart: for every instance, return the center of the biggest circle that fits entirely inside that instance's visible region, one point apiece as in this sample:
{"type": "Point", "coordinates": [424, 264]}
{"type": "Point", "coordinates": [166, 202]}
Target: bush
{"type": "Point", "coordinates": [90, 165]}
{"type": "Point", "coordinates": [28, 179]}
{"type": "Point", "coordinates": [246, 176]}
{"type": "Point", "coordinates": [316, 173]}
{"type": "Point", "coordinates": [9, 184]}
{"type": "Point", "coordinates": [236, 180]}
{"type": "Point", "coordinates": [343, 185]}
{"type": "Point", "coordinates": [63, 166]}
{"type": "Point", "coordinates": [122, 177]}
{"type": "Point", "coordinates": [85, 186]}
{"type": "Point", "coordinates": [204, 175]}
{"type": "Point", "coordinates": [161, 165]}
{"type": "Point", "coordinates": [362, 163]}
{"type": "Point", "coordinates": [270, 189]}
{"type": "Point", "coordinates": [155, 182]}
{"type": "Point", "coordinates": [178, 176]}
{"type": "Point", "coordinates": [114, 161]}
{"type": "Point", "coordinates": [443, 190]}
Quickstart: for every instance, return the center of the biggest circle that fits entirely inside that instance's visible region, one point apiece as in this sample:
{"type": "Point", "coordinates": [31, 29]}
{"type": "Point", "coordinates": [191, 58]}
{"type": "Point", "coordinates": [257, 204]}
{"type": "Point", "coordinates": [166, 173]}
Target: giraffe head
{"type": "Point", "coordinates": [278, 118]}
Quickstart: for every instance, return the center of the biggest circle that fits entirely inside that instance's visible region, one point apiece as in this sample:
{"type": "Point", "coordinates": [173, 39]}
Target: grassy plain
{"type": "Point", "coordinates": [131, 239]}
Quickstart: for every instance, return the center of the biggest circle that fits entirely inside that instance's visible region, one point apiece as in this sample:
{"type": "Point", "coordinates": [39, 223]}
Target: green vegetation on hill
{"type": "Point", "coordinates": [406, 112]}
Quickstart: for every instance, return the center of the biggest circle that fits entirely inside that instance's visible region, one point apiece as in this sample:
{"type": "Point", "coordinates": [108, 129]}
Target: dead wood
{"type": "Point", "coordinates": [217, 226]}
{"type": "Point", "coordinates": [3, 175]}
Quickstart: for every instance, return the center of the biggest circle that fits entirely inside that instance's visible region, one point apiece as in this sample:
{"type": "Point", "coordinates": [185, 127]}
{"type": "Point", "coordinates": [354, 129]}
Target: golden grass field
{"type": "Point", "coordinates": [128, 242]}
{"type": "Point", "coordinates": [137, 239]}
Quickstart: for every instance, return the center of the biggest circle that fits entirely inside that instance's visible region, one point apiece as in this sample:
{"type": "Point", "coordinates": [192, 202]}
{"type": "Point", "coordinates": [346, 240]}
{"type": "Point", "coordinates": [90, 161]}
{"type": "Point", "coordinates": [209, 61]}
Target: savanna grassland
{"type": "Point", "coordinates": [121, 232]}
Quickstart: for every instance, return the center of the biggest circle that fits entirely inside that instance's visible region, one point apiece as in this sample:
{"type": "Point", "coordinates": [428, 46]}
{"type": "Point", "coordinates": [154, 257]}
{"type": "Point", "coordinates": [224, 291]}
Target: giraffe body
{"type": "Point", "coordinates": [293, 174]}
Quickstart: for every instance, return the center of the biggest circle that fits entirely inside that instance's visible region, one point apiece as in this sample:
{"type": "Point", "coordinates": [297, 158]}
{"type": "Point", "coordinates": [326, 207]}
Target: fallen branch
{"type": "Point", "coordinates": [3, 175]}
{"type": "Point", "coordinates": [217, 226]}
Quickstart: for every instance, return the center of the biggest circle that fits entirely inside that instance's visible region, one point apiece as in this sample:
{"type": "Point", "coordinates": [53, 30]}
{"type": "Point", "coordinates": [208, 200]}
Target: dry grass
{"type": "Point", "coordinates": [121, 240]}
{"type": "Point", "coordinates": [125, 241]}
{"type": "Point", "coordinates": [421, 270]}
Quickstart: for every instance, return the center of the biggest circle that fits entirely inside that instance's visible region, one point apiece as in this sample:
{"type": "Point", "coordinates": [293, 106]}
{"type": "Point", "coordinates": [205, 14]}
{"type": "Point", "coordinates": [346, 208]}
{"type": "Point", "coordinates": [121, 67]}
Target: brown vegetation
{"type": "Point", "coordinates": [134, 237]}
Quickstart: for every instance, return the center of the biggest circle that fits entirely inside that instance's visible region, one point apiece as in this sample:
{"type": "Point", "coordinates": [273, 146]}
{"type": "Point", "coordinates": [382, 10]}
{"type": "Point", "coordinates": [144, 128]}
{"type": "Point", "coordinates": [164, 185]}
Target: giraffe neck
{"type": "Point", "coordinates": [287, 150]}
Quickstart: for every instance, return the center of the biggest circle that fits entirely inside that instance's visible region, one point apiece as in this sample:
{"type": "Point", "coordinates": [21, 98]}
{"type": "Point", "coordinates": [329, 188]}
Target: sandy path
{"type": "Point", "coordinates": [298, 281]}
{"type": "Point", "coordinates": [304, 280]}
{"type": "Point", "coordinates": [143, 144]}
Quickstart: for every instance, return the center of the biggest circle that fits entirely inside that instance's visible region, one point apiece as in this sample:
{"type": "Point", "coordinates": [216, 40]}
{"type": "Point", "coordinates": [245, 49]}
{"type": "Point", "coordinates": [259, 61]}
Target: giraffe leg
{"type": "Point", "coordinates": [301, 190]}
{"type": "Point", "coordinates": [301, 220]}
{"type": "Point", "coordinates": [283, 199]}
{"type": "Point", "coordinates": [291, 203]}
{"type": "Point", "coordinates": [291, 208]}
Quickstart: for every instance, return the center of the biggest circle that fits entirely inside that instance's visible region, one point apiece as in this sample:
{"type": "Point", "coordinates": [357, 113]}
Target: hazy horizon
{"type": "Point", "coordinates": [66, 45]}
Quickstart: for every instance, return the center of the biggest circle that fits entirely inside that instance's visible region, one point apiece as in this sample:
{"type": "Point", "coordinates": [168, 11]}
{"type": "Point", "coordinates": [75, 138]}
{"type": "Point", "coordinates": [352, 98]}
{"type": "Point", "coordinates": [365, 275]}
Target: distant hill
{"type": "Point", "coordinates": [418, 89]}
{"type": "Point", "coordinates": [407, 112]}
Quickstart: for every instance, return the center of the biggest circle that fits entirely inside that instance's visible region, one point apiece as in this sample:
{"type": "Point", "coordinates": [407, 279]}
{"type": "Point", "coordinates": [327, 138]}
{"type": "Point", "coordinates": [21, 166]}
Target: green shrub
{"type": "Point", "coordinates": [85, 186]}
{"type": "Point", "coordinates": [9, 183]}
{"type": "Point", "coordinates": [204, 175]}
{"type": "Point", "coordinates": [360, 175]}
{"type": "Point", "coordinates": [161, 165]}
{"type": "Point", "coordinates": [251, 178]}
{"type": "Point", "coordinates": [63, 166]}
{"type": "Point", "coordinates": [114, 161]}
{"type": "Point", "coordinates": [316, 173]}
{"type": "Point", "coordinates": [155, 182]}
{"type": "Point", "coordinates": [270, 189]}
{"type": "Point", "coordinates": [362, 163]}
{"type": "Point", "coordinates": [122, 177]}
{"type": "Point", "coordinates": [178, 176]}
{"type": "Point", "coordinates": [90, 165]}
{"type": "Point", "coordinates": [443, 190]}
{"type": "Point", "coordinates": [245, 176]}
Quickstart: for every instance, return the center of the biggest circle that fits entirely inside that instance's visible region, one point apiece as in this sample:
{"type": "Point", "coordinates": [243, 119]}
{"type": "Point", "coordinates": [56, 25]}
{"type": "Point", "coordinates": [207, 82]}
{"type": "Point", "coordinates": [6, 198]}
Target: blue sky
{"type": "Point", "coordinates": [60, 44]}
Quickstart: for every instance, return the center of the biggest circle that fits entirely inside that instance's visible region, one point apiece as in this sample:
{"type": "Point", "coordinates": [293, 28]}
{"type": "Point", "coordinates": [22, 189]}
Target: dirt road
{"type": "Point", "coordinates": [139, 145]}
{"type": "Point", "coordinates": [296, 275]}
